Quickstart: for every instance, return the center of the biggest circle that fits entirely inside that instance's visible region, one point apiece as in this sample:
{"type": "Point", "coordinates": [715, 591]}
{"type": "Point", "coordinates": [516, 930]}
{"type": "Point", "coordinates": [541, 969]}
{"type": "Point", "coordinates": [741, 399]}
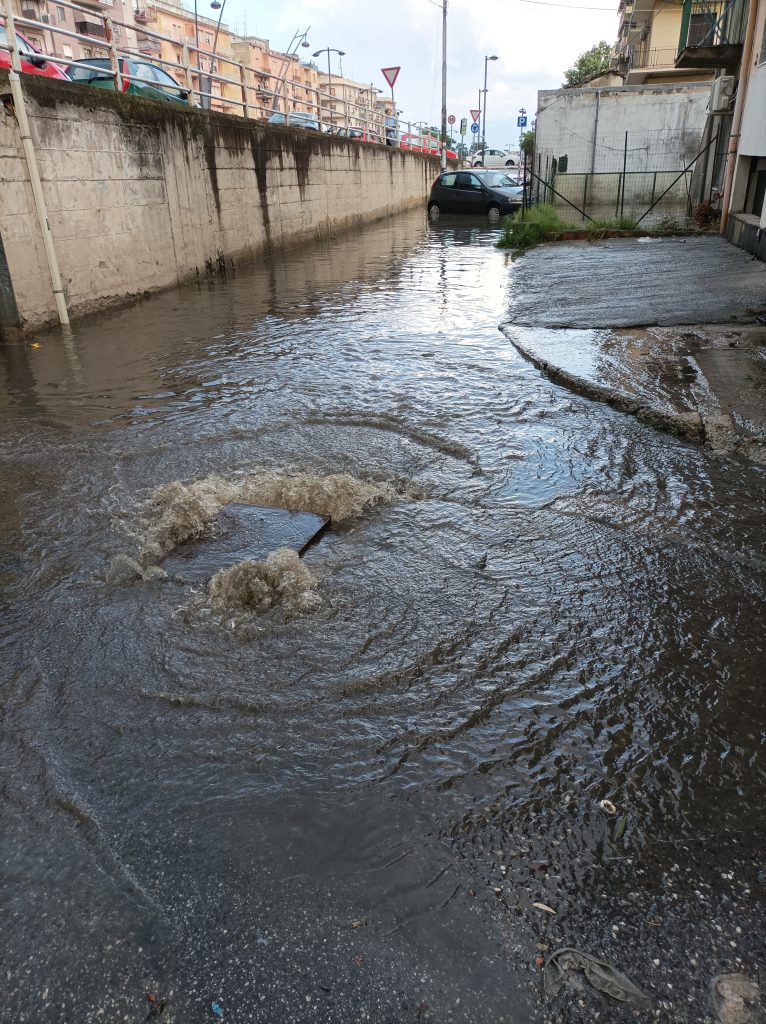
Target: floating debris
{"type": "Point", "coordinates": [545, 907]}
{"type": "Point", "coordinates": [566, 961]}
{"type": "Point", "coordinates": [607, 807]}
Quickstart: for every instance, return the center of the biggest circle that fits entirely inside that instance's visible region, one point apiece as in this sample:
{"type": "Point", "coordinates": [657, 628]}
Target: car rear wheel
{"type": "Point", "coordinates": [480, 163]}
{"type": "Point", "coordinates": [494, 212]}
{"type": "Point", "coordinates": [434, 211]}
{"type": "Point", "coordinates": [510, 163]}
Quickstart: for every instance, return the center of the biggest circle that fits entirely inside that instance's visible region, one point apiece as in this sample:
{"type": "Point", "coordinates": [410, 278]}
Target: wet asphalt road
{"type": "Point", "coordinates": [357, 813]}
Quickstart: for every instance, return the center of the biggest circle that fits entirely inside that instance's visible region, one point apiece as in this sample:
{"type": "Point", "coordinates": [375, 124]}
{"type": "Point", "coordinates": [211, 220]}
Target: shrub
{"type": "Point", "coordinates": [704, 215]}
{"type": "Point", "coordinates": [530, 227]}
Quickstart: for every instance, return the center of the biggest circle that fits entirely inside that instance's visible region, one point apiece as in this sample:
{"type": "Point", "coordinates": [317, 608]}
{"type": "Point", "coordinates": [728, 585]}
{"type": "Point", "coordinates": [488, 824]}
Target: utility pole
{"type": "Point", "coordinates": [444, 86]}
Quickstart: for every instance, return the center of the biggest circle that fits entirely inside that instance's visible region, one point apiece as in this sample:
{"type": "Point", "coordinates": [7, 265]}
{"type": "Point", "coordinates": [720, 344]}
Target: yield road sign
{"type": "Point", "coordinates": [391, 75]}
{"type": "Point", "coordinates": [451, 119]}
{"type": "Point", "coordinates": [475, 129]}
{"type": "Point", "coordinates": [475, 114]}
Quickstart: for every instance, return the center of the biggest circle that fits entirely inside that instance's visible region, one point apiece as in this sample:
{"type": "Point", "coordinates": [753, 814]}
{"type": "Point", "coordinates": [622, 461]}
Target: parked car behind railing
{"type": "Point", "coordinates": [424, 144]}
{"type": "Point", "coordinates": [360, 134]}
{"type": "Point", "coordinates": [139, 78]}
{"type": "Point", "coordinates": [32, 63]}
{"type": "Point", "coordinates": [298, 119]}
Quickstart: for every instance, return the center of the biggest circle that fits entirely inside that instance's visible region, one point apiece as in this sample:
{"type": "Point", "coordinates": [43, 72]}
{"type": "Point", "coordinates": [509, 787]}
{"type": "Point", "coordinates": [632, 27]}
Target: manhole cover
{"type": "Point", "coordinates": [240, 532]}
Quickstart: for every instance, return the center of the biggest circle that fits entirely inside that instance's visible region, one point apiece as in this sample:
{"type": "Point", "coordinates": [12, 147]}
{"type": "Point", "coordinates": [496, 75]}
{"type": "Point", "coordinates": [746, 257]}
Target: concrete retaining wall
{"type": "Point", "coordinates": [144, 195]}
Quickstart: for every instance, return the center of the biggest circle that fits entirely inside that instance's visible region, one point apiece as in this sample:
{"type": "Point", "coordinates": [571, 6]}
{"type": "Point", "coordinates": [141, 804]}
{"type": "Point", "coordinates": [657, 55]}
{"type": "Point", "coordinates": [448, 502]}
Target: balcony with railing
{"type": "Point", "coordinates": [712, 34]}
{"type": "Point", "coordinates": [91, 28]}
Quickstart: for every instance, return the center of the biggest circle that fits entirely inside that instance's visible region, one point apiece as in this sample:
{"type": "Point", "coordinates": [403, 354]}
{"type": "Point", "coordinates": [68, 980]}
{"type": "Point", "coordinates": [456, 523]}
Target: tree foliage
{"type": "Point", "coordinates": [528, 142]}
{"type": "Point", "coordinates": [594, 61]}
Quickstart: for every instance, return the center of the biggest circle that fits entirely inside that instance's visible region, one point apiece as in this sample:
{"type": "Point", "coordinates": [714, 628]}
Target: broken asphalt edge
{"type": "Point", "coordinates": [691, 425]}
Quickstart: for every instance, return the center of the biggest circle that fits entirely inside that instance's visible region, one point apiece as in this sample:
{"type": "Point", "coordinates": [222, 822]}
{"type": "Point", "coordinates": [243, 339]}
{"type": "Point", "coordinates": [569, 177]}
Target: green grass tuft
{"type": "Point", "coordinates": [536, 224]}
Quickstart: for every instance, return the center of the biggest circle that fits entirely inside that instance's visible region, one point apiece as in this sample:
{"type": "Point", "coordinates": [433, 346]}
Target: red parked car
{"type": "Point", "coordinates": [424, 144]}
{"type": "Point", "coordinates": [32, 61]}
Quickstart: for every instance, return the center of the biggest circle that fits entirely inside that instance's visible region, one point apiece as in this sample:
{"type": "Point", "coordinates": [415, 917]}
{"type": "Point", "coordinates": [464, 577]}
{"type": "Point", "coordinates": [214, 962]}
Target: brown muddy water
{"type": "Point", "coordinates": [343, 806]}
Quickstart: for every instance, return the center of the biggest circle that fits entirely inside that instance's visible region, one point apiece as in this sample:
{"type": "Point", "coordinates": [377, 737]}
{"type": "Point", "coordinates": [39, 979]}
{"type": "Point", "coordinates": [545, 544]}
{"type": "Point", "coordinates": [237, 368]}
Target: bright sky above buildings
{"type": "Point", "coordinates": [534, 44]}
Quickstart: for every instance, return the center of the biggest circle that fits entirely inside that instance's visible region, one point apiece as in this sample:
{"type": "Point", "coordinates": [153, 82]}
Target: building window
{"type": "Point", "coordinates": [87, 52]}
{"type": "Point", "coordinates": [61, 14]}
{"type": "Point", "coordinates": [67, 49]}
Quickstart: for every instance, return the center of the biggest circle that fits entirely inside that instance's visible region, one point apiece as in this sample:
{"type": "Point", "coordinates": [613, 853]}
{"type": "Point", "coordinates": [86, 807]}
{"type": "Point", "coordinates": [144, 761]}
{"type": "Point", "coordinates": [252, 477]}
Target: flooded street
{"type": "Point", "coordinates": [531, 603]}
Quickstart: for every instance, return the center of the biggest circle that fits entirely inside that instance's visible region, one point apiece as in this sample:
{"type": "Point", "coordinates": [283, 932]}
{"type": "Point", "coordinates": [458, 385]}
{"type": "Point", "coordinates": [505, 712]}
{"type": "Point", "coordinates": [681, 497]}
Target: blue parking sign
{"type": "Point", "coordinates": [521, 122]}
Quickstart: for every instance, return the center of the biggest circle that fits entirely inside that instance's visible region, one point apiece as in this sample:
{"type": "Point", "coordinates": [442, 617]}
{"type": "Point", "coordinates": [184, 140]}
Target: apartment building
{"type": "Point", "coordinates": [177, 24]}
{"type": "Point", "coordinates": [275, 81]}
{"type": "Point", "coordinates": [649, 42]}
{"type": "Point", "coordinates": [86, 22]}
{"type": "Point", "coordinates": [345, 102]}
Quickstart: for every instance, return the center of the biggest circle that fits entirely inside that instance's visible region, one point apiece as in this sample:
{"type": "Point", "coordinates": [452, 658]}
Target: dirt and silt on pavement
{"type": "Point", "coordinates": [347, 807]}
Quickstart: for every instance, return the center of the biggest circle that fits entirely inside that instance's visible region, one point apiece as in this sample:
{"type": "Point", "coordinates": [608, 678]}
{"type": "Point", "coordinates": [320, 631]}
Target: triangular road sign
{"type": "Point", "coordinates": [391, 75]}
{"type": "Point", "coordinates": [475, 114]}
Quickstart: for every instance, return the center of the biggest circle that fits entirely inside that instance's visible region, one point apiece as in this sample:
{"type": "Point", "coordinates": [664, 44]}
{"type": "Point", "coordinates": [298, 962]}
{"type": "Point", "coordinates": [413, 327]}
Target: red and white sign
{"type": "Point", "coordinates": [451, 119]}
{"type": "Point", "coordinates": [475, 114]}
{"type": "Point", "coordinates": [391, 75]}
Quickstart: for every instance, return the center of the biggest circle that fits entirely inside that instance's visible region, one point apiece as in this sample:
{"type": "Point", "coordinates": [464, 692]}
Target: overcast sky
{"type": "Point", "coordinates": [534, 44]}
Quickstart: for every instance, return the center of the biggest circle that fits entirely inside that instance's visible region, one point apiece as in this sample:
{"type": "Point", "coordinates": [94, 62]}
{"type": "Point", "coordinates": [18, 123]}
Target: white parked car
{"type": "Point", "coordinates": [495, 158]}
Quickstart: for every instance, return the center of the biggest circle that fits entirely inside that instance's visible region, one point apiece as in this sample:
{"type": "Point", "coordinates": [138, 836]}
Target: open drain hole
{"type": "Point", "coordinates": [241, 532]}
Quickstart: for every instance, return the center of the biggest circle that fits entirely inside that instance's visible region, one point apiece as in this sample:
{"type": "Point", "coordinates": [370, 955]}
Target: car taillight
{"type": "Point", "coordinates": [125, 83]}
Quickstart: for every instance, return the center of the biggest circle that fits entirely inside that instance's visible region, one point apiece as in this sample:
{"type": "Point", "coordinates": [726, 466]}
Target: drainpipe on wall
{"type": "Point", "coordinates": [739, 106]}
{"type": "Point", "coordinates": [32, 167]}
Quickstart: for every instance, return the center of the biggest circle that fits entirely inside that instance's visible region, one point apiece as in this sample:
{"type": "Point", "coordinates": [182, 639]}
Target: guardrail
{"type": "Point", "coordinates": [660, 57]}
{"type": "Point", "coordinates": [214, 80]}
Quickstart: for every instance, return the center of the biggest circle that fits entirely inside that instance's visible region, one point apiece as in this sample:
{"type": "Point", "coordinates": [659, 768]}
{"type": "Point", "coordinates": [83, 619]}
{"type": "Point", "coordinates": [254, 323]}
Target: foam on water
{"type": "Point", "coordinates": [183, 511]}
{"type": "Point", "coordinates": [282, 579]}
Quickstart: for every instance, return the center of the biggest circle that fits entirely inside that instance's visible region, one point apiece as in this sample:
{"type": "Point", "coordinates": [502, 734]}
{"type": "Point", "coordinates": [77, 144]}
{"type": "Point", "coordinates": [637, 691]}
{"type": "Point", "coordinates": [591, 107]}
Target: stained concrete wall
{"type": "Point", "coordinates": [144, 195]}
{"type": "Point", "coordinates": [664, 125]}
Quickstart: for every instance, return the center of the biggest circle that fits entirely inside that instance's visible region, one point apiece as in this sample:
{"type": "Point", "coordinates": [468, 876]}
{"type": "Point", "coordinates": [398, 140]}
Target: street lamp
{"type": "Point", "coordinates": [484, 112]}
{"type": "Point", "coordinates": [299, 39]}
{"type": "Point", "coordinates": [328, 50]}
{"type": "Point", "coordinates": [216, 6]}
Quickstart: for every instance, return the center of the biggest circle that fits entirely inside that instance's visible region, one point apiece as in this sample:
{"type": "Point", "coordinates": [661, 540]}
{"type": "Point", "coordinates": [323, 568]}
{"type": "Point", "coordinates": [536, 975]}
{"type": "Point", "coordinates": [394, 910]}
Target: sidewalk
{"type": "Point", "coordinates": [665, 329]}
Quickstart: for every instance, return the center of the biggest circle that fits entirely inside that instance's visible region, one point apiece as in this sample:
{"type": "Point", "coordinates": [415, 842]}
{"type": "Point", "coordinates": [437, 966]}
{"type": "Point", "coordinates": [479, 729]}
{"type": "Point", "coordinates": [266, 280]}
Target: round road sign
{"type": "Point", "coordinates": [451, 119]}
{"type": "Point", "coordinates": [475, 129]}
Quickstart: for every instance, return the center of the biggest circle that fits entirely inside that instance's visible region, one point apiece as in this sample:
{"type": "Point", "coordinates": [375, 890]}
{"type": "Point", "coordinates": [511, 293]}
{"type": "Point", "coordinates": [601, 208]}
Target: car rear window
{"type": "Point", "coordinates": [80, 74]}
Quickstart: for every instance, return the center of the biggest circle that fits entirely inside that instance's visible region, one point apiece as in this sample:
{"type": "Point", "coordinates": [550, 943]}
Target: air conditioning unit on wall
{"type": "Point", "coordinates": [722, 94]}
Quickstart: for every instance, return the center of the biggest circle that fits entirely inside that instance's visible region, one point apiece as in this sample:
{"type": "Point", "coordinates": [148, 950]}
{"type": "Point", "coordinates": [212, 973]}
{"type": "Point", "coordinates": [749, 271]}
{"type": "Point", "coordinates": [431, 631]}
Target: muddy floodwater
{"type": "Point", "coordinates": [378, 796]}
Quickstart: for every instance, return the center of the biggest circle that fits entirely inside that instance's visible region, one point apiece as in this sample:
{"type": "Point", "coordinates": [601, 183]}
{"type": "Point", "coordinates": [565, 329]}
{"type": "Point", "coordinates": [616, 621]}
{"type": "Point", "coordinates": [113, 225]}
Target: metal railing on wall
{"type": "Point", "coordinates": [216, 81]}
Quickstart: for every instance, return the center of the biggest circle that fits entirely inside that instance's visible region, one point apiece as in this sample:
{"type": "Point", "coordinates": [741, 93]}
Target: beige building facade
{"type": "Point", "coordinates": [275, 81]}
{"type": "Point", "coordinates": [648, 43]}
